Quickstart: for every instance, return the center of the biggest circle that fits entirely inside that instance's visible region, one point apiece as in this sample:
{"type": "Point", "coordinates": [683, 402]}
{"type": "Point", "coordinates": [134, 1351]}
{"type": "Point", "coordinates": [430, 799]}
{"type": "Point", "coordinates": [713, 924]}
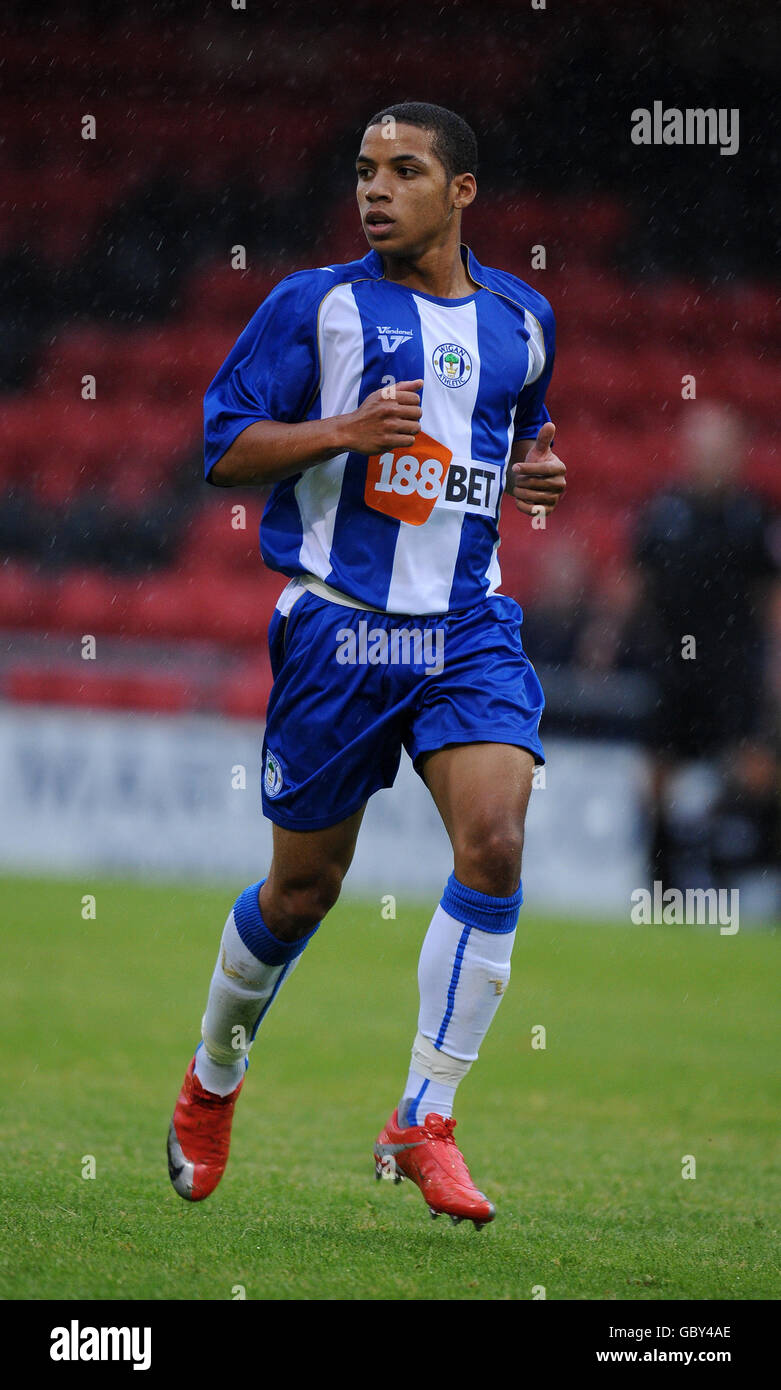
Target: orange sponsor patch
{"type": "Point", "coordinates": [405, 483]}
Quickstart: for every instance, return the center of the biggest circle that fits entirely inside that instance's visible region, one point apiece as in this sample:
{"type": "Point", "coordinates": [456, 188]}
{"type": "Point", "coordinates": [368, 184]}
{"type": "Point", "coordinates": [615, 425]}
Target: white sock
{"type": "Point", "coordinates": [242, 989]}
{"type": "Point", "coordinates": [431, 1083]}
{"type": "Point", "coordinates": [215, 1077]}
{"type": "Point", "coordinates": [463, 972]}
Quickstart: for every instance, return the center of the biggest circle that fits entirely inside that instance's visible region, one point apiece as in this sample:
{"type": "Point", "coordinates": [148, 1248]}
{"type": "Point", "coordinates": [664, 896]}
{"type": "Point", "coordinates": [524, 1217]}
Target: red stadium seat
{"type": "Point", "coordinates": [763, 469]}
{"type": "Point", "coordinates": [245, 695]}
{"type": "Point", "coordinates": [612, 465]}
{"type": "Point", "coordinates": [236, 611]}
{"type": "Point", "coordinates": [220, 295]}
{"type": "Point", "coordinates": [89, 601]}
{"type": "Point", "coordinates": [27, 598]}
{"type": "Point", "coordinates": [207, 605]}
{"type": "Point", "coordinates": [97, 690]}
{"type": "Point", "coordinates": [165, 606]}
{"type": "Point", "coordinates": [574, 231]}
{"type": "Point", "coordinates": [77, 351]}
{"type": "Point", "coordinates": [211, 540]}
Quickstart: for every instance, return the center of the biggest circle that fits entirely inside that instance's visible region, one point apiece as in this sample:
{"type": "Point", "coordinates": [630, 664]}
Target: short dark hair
{"type": "Point", "coordinates": [454, 142]}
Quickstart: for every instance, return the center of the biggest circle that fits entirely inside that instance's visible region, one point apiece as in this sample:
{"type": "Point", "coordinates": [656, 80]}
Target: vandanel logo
{"type": "Point", "coordinates": [391, 338]}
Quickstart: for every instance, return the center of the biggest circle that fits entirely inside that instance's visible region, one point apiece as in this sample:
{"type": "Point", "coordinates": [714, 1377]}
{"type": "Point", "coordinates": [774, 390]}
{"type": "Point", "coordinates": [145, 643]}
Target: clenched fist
{"type": "Point", "coordinates": [387, 419]}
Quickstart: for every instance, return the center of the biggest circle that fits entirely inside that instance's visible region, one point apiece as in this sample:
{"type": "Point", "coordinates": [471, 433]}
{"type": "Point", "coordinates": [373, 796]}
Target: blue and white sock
{"type": "Point", "coordinates": [463, 972]}
{"type": "Point", "coordinates": [252, 965]}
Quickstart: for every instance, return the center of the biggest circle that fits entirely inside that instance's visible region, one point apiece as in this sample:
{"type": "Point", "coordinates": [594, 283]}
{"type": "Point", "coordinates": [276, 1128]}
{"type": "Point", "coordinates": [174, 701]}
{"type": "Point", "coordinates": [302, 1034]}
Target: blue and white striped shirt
{"type": "Point", "coordinates": [414, 530]}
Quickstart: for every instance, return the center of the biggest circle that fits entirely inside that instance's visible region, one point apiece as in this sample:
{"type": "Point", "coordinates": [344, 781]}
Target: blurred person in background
{"type": "Point", "coordinates": [552, 624]}
{"type": "Point", "coordinates": [705, 554]}
{"type": "Point", "coordinates": [745, 828]}
{"type": "Point", "coordinates": [611, 635]}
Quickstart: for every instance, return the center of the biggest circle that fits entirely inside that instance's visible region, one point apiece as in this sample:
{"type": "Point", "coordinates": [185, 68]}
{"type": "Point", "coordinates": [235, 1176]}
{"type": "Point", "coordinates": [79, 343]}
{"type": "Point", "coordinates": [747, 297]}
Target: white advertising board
{"type": "Point", "coordinates": [140, 795]}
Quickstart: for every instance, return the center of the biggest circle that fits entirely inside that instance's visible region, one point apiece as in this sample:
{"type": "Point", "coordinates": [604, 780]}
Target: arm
{"type": "Point", "coordinates": [535, 476]}
{"type": "Point", "coordinates": [269, 450]}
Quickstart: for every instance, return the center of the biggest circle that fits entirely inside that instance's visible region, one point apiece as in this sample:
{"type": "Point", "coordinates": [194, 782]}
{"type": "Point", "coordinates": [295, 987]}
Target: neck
{"type": "Point", "coordinates": [439, 271]}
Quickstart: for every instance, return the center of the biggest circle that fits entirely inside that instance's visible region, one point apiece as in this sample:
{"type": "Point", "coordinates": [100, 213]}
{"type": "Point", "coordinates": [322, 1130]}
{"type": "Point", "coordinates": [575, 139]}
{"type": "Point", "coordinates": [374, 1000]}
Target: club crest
{"type": "Point", "coordinates": [452, 364]}
{"type": "Point", "coordinates": [272, 778]}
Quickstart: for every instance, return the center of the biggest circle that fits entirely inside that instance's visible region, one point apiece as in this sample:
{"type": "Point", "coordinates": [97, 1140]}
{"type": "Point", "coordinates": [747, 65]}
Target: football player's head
{"type": "Point", "coordinates": [416, 172]}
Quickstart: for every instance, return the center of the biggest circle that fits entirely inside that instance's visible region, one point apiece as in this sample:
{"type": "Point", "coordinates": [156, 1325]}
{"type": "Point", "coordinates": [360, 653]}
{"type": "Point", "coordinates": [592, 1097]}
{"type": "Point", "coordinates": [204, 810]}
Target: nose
{"type": "Point", "coordinates": [376, 190]}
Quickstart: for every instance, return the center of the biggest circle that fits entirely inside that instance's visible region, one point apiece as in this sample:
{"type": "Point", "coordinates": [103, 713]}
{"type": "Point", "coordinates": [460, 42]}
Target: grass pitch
{"type": "Point", "coordinates": [660, 1043]}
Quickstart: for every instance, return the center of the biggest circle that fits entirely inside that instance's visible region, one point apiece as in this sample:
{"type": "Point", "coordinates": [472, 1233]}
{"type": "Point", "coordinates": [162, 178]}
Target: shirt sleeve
{"type": "Point", "coordinates": [531, 412]}
{"type": "Point", "coordinates": [273, 370]}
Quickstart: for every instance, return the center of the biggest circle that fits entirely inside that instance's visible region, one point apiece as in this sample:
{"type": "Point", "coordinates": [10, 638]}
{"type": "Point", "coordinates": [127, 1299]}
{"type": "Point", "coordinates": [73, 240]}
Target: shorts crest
{"type": "Point", "coordinates": [272, 778]}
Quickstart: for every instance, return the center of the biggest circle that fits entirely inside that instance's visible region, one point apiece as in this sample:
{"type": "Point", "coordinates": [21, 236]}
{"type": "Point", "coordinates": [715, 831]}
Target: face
{"type": "Point", "coordinates": [406, 202]}
{"type": "Point", "coordinates": [712, 446]}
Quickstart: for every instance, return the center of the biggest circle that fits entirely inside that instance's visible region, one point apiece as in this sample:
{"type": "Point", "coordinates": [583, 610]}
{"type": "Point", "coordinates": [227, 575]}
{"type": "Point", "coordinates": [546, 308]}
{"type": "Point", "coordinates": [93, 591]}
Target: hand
{"type": "Point", "coordinates": [539, 481]}
{"type": "Point", "coordinates": [388, 419]}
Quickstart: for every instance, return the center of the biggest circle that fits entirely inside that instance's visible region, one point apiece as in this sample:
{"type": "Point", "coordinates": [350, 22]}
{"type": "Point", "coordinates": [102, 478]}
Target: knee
{"type": "Point", "coordinates": [489, 858]}
{"type": "Point", "coordinates": [297, 902]}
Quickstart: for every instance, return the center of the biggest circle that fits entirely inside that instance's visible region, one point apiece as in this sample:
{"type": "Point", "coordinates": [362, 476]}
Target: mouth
{"type": "Point", "coordinates": [378, 223]}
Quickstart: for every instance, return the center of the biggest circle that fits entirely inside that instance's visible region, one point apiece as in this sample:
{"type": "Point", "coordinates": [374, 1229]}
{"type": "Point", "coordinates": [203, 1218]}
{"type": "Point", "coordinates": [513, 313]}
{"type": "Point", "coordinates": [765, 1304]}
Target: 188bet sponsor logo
{"type": "Point", "coordinates": [408, 483]}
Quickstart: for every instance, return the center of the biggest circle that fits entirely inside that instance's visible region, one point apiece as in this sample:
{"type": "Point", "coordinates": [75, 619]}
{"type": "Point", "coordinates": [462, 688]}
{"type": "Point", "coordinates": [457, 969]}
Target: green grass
{"type": "Point", "coordinates": [661, 1042]}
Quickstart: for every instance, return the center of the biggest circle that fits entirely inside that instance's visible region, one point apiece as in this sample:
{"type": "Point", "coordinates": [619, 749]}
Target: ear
{"type": "Point", "coordinates": [466, 190]}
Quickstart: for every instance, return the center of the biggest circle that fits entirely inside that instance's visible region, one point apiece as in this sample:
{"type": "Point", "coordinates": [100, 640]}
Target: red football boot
{"type": "Point", "coordinates": [199, 1138]}
{"type": "Point", "coordinates": [428, 1156]}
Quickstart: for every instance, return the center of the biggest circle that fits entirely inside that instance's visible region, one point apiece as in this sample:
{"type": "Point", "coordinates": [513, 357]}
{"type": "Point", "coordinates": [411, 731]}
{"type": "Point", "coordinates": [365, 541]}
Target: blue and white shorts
{"type": "Point", "coordinates": [353, 686]}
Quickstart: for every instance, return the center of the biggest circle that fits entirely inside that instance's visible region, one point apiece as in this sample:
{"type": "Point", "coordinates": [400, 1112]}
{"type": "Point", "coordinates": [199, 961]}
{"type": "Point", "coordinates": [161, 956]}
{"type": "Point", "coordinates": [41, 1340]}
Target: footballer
{"type": "Point", "coordinates": [391, 402]}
